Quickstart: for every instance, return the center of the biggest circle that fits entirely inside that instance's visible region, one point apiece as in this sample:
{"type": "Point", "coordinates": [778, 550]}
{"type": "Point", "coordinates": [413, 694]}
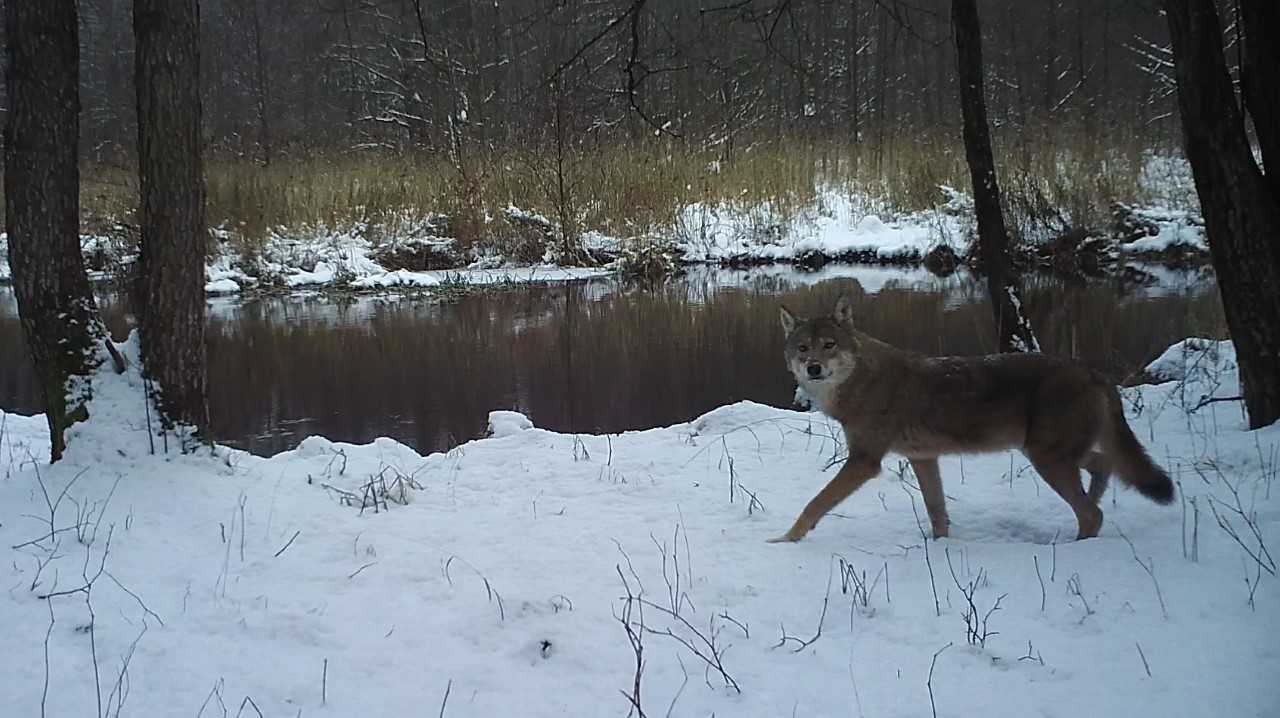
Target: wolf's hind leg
{"type": "Point", "coordinates": [1099, 467]}
{"type": "Point", "coordinates": [1063, 476]}
{"type": "Point", "coordinates": [935, 501]}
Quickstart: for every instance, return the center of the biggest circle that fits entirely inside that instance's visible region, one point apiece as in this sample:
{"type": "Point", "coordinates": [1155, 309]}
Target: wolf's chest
{"type": "Point", "coordinates": [823, 394]}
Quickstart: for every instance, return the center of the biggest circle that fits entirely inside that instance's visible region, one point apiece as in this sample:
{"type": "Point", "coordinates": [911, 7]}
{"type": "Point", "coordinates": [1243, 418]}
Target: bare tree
{"type": "Point", "coordinates": [1241, 209]}
{"type": "Point", "coordinates": [171, 306]}
{"type": "Point", "coordinates": [1013, 329]}
{"type": "Point", "coordinates": [42, 200]}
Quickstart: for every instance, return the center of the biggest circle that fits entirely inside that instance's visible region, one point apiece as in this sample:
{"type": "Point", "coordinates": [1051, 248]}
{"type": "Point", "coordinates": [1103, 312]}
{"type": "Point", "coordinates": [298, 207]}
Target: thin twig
{"type": "Point", "coordinates": [929, 683]}
{"type": "Point", "coordinates": [1145, 665]}
{"type": "Point", "coordinates": [288, 544]}
{"type": "Point", "coordinates": [448, 687]}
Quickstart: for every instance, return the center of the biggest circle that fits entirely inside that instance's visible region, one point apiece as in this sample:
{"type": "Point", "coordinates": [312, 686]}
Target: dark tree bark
{"type": "Point", "coordinates": [1012, 327]}
{"type": "Point", "coordinates": [263, 90]}
{"type": "Point", "coordinates": [171, 315]}
{"type": "Point", "coordinates": [1260, 78]}
{"type": "Point", "coordinates": [42, 197]}
{"type": "Point", "coordinates": [1241, 213]}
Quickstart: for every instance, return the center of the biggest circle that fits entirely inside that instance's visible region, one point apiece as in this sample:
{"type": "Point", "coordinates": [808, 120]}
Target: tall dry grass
{"type": "Point", "coordinates": [1050, 183]}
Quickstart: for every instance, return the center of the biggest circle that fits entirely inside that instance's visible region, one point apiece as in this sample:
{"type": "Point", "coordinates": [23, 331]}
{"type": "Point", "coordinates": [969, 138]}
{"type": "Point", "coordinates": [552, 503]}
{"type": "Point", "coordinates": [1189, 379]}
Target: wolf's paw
{"type": "Point", "coordinates": [789, 537]}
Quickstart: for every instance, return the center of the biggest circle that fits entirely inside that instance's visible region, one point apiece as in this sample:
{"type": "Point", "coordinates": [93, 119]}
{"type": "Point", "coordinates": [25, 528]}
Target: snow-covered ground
{"type": "Point", "coordinates": [511, 575]}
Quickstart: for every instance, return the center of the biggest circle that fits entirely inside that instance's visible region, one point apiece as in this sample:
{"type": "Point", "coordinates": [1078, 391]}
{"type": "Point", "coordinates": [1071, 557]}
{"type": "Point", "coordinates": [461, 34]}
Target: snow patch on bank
{"type": "Point", "coordinates": [836, 225]}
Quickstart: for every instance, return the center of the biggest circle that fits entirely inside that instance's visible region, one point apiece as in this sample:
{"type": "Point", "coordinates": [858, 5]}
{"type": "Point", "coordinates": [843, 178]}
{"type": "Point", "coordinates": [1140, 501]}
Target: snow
{"type": "Point", "coordinates": [508, 423]}
{"type": "Point", "coordinates": [221, 286]}
{"type": "Point", "coordinates": [478, 277]}
{"type": "Point", "coordinates": [1194, 358]}
{"type": "Point", "coordinates": [1176, 229]}
{"type": "Point", "coordinates": [320, 257]}
{"type": "Point", "coordinates": [836, 224]}
{"type": "Point", "coordinates": [496, 572]}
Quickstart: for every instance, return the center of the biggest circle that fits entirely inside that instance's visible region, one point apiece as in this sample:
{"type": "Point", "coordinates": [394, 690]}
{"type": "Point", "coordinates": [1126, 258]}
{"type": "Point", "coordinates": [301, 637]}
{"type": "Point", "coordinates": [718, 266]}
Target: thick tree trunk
{"type": "Point", "coordinates": [42, 197]}
{"type": "Point", "coordinates": [1012, 327]}
{"type": "Point", "coordinates": [171, 305]}
{"type": "Point", "coordinates": [1242, 215]}
{"type": "Point", "coordinates": [1260, 77]}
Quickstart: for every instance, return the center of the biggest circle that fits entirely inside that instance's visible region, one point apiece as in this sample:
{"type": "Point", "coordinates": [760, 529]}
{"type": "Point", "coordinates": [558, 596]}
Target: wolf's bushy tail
{"type": "Point", "coordinates": [1132, 463]}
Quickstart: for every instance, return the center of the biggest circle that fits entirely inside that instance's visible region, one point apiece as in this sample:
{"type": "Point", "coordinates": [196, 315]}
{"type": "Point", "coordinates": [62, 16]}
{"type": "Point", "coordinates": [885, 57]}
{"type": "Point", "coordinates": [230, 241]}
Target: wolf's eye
{"type": "Point", "coordinates": [828, 344]}
{"type": "Point", "coordinates": [803, 348]}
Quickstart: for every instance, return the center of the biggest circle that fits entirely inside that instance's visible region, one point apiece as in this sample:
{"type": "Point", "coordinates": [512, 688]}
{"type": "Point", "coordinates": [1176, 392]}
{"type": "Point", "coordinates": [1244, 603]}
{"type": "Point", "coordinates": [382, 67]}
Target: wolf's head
{"type": "Point", "coordinates": [821, 349]}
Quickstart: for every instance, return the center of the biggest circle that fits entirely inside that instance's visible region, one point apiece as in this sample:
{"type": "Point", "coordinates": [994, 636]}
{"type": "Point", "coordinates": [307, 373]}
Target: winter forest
{"type": "Point", "coordinates": [640, 358]}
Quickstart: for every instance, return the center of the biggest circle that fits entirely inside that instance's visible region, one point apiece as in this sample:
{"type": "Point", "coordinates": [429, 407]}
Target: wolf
{"type": "Point", "coordinates": [1062, 415]}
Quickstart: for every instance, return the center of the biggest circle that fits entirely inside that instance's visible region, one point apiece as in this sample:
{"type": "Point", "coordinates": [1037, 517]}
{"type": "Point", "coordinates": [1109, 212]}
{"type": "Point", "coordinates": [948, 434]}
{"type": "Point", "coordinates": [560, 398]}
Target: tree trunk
{"type": "Point", "coordinates": [1012, 328]}
{"type": "Point", "coordinates": [1242, 215]}
{"type": "Point", "coordinates": [1260, 78]}
{"type": "Point", "coordinates": [852, 70]}
{"type": "Point", "coordinates": [171, 315]}
{"type": "Point", "coordinates": [263, 90]}
{"type": "Point", "coordinates": [42, 197]}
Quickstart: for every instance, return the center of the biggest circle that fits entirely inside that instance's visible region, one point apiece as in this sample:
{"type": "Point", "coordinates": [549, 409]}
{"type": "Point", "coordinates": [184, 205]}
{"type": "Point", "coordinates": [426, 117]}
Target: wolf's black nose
{"type": "Point", "coordinates": [815, 370]}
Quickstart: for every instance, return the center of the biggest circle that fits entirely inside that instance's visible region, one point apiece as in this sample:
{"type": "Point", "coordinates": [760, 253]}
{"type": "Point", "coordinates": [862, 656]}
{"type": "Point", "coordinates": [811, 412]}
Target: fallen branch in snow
{"type": "Point", "coordinates": [1142, 655]}
{"type": "Point", "coordinates": [976, 631]}
{"type": "Point", "coordinates": [346, 498]}
{"type": "Point", "coordinates": [288, 544]}
{"type": "Point", "coordinates": [1194, 554]}
{"type": "Point", "coordinates": [120, 691]}
{"type": "Point", "coordinates": [928, 562]}
{"type": "Point", "coordinates": [822, 617]}
{"type": "Point", "coordinates": [933, 707]}
{"type": "Point", "coordinates": [44, 691]}
{"type": "Point", "coordinates": [1207, 400]}
{"type": "Point", "coordinates": [248, 702]}
{"type": "Point", "coordinates": [215, 692]}
{"type": "Point", "coordinates": [490, 591]}
{"type": "Point", "coordinates": [1149, 567]}
{"type": "Point", "coordinates": [746, 631]}
{"type": "Point", "coordinates": [703, 644]}
{"type": "Point", "coordinates": [635, 637]}
{"type": "Point", "coordinates": [1075, 589]}
{"type": "Point", "coordinates": [676, 597]}
{"type": "Point", "coordinates": [1036, 560]}
{"type": "Point", "coordinates": [679, 691]}
{"type": "Point", "coordinates": [445, 701]}
{"type": "Point", "coordinates": [1037, 657]}
{"type": "Point", "coordinates": [1261, 555]}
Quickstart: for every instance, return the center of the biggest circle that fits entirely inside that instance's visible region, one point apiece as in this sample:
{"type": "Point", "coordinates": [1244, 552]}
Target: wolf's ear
{"type": "Point", "coordinates": [844, 310]}
{"type": "Point", "coordinates": [788, 319]}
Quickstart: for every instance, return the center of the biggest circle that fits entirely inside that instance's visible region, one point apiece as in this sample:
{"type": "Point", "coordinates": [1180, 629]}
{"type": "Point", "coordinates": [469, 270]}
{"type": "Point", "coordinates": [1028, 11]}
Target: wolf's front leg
{"type": "Point", "coordinates": [857, 470]}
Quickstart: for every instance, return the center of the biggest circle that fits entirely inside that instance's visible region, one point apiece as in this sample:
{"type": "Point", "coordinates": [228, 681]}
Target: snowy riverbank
{"type": "Point", "coordinates": [498, 573]}
{"type": "Point", "coordinates": [412, 251]}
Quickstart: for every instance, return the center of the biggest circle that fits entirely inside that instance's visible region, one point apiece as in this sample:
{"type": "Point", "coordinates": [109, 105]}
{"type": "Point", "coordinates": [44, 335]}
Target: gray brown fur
{"type": "Point", "coordinates": [1062, 415]}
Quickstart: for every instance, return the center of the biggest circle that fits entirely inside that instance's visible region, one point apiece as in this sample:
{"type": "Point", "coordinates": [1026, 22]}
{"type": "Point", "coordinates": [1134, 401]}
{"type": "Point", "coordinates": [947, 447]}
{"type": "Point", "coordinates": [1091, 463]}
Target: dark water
{"type": "Point", "coordinates": [597, 357]}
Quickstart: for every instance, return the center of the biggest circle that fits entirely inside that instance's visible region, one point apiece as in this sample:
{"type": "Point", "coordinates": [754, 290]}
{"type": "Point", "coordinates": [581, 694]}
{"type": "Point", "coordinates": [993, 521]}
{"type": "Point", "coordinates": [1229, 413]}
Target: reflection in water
{"type": "Point", "coordinates": [595, 357]}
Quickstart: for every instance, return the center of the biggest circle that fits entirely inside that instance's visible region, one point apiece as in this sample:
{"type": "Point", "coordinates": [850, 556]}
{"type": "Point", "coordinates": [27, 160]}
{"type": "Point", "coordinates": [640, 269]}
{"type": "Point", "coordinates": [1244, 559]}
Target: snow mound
{"type": "Point", "coordinates": [1168, 230]}
{"type": "Point", "coordinates": [1194, 360]}
{"type": "Point", "coordinates": [507, 423]}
